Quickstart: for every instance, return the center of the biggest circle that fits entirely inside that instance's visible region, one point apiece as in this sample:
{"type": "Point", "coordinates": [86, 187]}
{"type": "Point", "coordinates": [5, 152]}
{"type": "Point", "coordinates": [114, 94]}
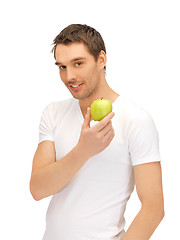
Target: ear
{"type": "Point", "coordinates": [102, 60]}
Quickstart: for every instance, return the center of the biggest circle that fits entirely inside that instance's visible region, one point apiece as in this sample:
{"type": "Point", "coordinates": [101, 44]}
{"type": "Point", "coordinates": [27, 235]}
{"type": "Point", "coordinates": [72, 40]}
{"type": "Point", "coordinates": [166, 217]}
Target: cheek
{"type": "Point", "coordinates": [91, 72]}
{"type": "Point", "coordinates": [94, 74]}
{"type": "Point", "coordinates": [62, 76]}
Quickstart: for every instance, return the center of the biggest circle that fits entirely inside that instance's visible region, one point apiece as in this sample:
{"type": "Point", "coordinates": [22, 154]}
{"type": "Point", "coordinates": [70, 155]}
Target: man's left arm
{"type": "Point", "coordinates": [148, 180]}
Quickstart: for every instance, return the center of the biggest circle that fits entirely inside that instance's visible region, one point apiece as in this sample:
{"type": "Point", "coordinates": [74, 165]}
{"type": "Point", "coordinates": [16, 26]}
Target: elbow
{"type": "Point", "coordinates": [156, 210]}
{"type": "Point", "coordinates": [36, 197]}
{"type": "Point", "coordinates": [158, 215]}
{"type": "Point", "coordinates": [162, 214]}
{"type": "Point", "coordinates": [161, 211]}
{"type": "Point", "coordinates": [34, 192]}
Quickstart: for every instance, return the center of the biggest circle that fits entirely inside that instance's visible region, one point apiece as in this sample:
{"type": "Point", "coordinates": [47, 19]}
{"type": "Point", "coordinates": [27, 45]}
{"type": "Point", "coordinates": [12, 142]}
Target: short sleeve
{"type": "Point", "coordinates": [46, 125]}
{"type": "Point", "coordinates": [144, 140]}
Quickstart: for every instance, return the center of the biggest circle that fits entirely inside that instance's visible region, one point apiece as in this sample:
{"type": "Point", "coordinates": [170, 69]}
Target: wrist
{"type": "Point", "coordinates": [82, 152]}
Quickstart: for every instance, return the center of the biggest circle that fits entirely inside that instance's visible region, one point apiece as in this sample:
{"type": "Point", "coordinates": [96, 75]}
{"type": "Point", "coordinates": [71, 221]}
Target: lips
{"type": "Point", "coordinates": [76, 86]}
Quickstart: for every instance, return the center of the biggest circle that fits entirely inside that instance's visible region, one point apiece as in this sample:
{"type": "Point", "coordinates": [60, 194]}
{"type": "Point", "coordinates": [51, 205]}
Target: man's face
{"type": "Point", "coordinates": [78, 67]}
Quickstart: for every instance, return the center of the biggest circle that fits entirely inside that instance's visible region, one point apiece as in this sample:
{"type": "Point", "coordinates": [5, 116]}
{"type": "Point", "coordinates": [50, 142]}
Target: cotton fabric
{"type": "Point", "coordinates": [92, 205]}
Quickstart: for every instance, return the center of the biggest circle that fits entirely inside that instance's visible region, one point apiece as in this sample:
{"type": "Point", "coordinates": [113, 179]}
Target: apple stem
{"type": "Point", "coordinates": [101, 98]}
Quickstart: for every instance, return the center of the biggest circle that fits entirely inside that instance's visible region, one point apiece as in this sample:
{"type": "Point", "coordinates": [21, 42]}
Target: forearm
{"type": "Point", "coordinates": [50, 179]}
{"type": "Point", "coordinates": [144, 224]}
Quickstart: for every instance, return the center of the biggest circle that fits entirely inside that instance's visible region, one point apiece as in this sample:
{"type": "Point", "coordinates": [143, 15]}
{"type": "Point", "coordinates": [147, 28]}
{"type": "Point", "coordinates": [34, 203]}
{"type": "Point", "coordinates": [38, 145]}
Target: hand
{"type": "Point", "coordinates": [95, 139]}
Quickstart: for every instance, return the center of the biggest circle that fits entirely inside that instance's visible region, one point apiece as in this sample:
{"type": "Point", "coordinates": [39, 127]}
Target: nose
{"type": "Point", "coordinates": [70, 75]}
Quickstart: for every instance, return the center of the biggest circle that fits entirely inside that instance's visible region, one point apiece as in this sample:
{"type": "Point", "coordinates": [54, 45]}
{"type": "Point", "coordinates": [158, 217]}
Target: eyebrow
{"type": "Point", "coordinates": [73, 60]}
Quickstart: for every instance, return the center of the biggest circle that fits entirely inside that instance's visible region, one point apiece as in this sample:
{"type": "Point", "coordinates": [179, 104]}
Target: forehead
{"type": "Point", "coordinates": [65, 53]}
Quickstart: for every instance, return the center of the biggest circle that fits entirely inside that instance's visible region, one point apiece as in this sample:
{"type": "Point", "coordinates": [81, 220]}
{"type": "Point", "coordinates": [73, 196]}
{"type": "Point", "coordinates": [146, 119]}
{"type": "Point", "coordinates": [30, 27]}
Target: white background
{"type": "Point", "coordinates": [143, 50]}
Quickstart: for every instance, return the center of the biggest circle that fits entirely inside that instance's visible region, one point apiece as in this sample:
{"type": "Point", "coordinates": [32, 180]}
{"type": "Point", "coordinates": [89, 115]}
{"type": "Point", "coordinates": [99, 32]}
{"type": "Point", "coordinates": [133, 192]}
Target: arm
{"type": "Point", "coordinates": [50, 176]}
{"type": "Point", "coordinates": [148, 181]}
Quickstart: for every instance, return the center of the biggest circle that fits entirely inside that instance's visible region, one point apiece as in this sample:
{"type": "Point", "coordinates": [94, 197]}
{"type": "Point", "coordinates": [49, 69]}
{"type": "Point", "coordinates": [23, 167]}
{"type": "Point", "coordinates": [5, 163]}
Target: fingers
{"type": "Point", "coordinates": [106, 129]}
{"type": "Point", "coordinates": [109, 136]}
{"type": "Point", "coordinates": [87, 118]}
{"type": "Point", "coordinates": [107, 132]}
{"type": "Point", "coordinates": [99, 126]}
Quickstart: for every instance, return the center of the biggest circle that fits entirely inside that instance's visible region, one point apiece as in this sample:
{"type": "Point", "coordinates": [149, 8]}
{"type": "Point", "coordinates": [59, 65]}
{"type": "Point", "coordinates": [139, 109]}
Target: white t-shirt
{"type": "Point", "coordinates": [92, 205]}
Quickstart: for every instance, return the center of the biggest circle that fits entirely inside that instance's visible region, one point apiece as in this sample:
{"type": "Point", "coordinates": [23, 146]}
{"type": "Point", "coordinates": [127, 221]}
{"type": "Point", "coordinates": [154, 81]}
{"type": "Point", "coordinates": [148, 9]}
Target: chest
{"type": "Point", "coordinates": [67, 132]}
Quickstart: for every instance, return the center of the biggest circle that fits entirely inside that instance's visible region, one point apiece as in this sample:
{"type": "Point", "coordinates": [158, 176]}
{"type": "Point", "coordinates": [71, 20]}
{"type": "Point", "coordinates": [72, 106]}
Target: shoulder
{"type": "Point", "coordinates": [130, 108]}
{"type": "Point", "coordinates": [133, 118]}
{"type": "Point", "coordinates": [54, 111]}
{"type": "Point", "coordinates": [58, 106]}
{"type": "Point", "coordinates": [129, 112]}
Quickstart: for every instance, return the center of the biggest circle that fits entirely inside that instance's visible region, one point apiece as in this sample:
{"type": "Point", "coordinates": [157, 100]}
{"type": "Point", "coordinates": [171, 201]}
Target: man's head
{"type": "Point", "coordinates": [80, 55]}
{"type": "Point", "coordinates": [81, 33]}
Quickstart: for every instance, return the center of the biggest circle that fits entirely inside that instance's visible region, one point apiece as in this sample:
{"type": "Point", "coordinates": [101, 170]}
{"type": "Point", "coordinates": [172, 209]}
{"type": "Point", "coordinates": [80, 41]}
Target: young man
{"type": "Point", "coordinates": [91, 168]}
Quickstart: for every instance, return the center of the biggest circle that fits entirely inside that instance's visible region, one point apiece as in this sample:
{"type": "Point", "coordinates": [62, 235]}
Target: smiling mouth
{"type": "Point", "coordinates": [76, 86]}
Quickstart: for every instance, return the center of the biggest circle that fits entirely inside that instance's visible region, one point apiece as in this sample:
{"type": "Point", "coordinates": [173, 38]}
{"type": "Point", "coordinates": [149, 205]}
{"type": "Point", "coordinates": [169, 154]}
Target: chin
{"type": "Point", "coordinates": [81, 95]}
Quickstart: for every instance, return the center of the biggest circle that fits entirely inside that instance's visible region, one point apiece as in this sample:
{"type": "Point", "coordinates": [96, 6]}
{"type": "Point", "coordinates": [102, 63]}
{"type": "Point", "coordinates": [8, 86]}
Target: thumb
{"type": "Point", "coordinates": [87, 118]}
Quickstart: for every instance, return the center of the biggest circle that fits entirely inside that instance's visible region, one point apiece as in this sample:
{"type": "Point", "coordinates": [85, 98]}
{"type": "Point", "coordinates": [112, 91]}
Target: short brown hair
{"type": "Point", "coordinates": [81, 33]}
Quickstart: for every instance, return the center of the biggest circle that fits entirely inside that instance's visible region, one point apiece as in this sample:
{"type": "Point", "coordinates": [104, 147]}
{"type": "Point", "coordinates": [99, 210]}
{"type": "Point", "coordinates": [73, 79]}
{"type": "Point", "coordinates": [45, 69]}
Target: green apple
{"type": "Point", "coordinates": [100, 108]}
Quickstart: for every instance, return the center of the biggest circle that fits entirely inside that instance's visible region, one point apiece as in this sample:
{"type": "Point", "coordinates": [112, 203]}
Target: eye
{"type": "Point", "coordinates": [62, 67]}
{"type": "Point", "coordinates": [77, 64]}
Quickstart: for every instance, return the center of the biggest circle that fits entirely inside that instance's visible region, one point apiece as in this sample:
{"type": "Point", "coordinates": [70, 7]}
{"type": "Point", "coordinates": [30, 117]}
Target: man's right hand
{"type": "Point", "coordinates": [94, 140]}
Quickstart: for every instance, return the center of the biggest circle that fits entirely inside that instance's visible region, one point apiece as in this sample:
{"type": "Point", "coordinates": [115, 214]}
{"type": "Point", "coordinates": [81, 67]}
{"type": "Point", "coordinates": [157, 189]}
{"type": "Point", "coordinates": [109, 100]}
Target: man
{"type": "Point", "coordinates": [90, 167]}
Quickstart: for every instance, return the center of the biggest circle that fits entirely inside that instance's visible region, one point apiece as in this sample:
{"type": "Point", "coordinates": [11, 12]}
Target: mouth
{"type": "Point", "coordinates": [76, 87]}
